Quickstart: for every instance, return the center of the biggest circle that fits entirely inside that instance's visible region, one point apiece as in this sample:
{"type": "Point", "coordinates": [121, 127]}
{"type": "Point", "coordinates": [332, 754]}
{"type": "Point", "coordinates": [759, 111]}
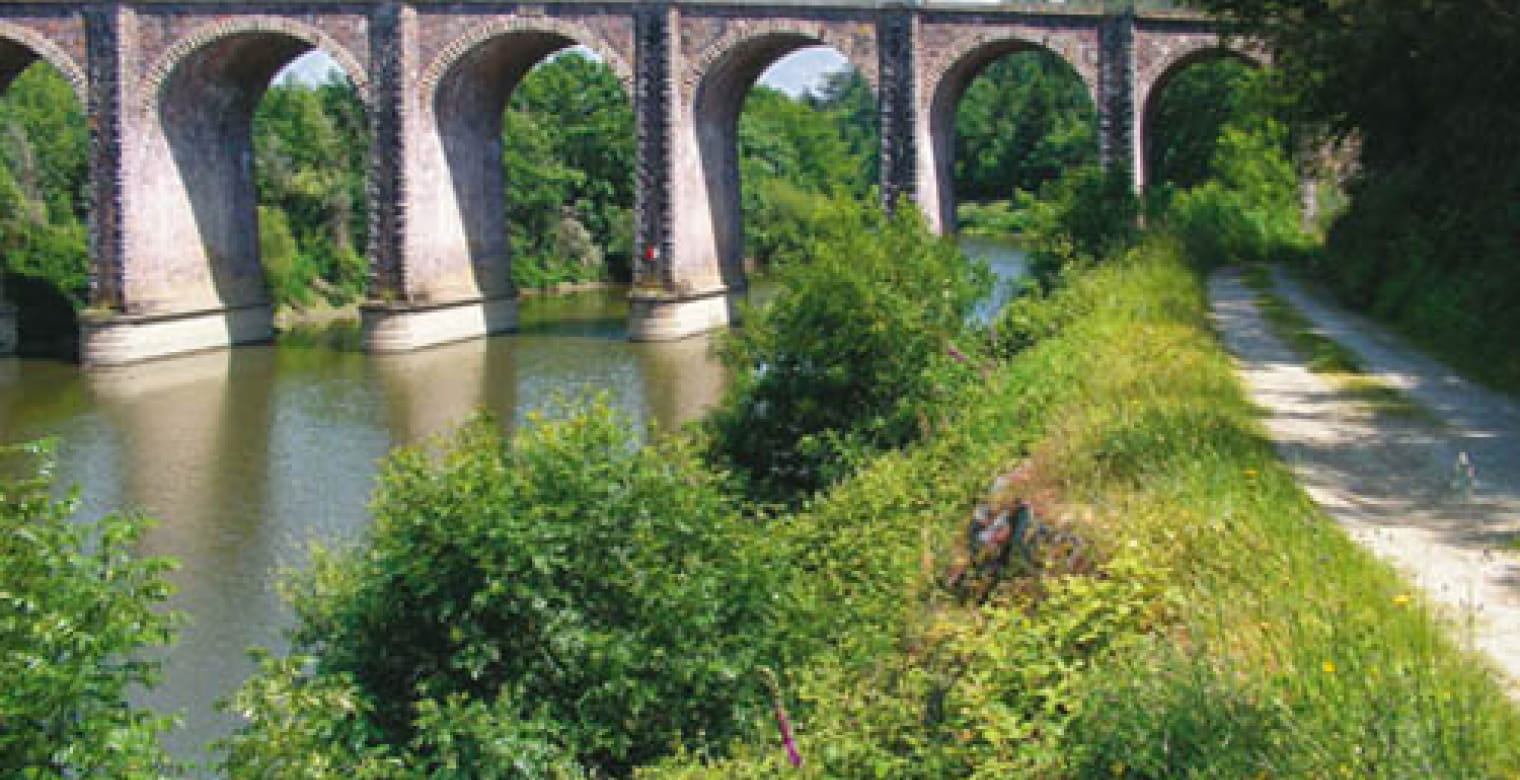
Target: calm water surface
{"type": "Point", "coordinates": [247, 456]}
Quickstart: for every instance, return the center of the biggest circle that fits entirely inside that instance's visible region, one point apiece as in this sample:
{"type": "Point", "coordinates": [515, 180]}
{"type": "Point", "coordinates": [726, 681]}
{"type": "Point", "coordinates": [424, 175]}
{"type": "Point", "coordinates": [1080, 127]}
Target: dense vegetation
{"type": "Point", "coordinates": [311, 153]}
{"type": "Point", "coordinates": [78, 611]}
{"type": "Point", "coordinates": [1024, 122]}
{"type": "Point", "coordinates": [43, 203]}
{"type": "Point", "coordinates": [1419, 97]}
{"type": "Point", "coordinates": [578, 601]}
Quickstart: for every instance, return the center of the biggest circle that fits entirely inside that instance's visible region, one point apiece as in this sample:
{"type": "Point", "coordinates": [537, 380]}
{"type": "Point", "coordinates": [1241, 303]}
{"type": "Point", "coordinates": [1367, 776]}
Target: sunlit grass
{"type": "Point", "coordinates": [1229, 630]}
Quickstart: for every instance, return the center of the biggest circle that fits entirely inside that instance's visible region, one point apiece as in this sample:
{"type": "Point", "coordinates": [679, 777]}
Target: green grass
{"type": "Point", "coordinates": [1328, 357]}
{"type": "Point", "coordinates": [1226, 629]}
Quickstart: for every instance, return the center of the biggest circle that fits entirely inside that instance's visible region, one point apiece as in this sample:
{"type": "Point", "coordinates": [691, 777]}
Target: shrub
{"type": "Point", "coordinates": [77, 611]}
{"type": "Point", "coordinates": [855, 348]}
{"type": "Point", "coordinates": [1086, 215]}
{"type": "Point", "coordinates": [1250, 212]}
{"type": "Point", "coordinates": [566, 595]}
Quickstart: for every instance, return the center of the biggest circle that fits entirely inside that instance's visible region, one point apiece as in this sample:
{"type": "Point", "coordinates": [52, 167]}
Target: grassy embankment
{"type": "Point", "coordinates": [1226, 628]}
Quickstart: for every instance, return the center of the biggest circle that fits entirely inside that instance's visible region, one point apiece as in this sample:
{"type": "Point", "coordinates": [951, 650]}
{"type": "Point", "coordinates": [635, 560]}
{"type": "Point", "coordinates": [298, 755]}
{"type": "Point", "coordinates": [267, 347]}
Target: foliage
{"type": "Point", "coordinates": [311, 150]}
{"type": "Point", "coordinates": [43, 242]}
{"type": "Point", "coordinates": [565, 598]}
{"type": "Point", "coordinates": [78, 608]}
{"type": "Point", "coordinates": [568, 158]}
{"type": "Point", "coordinates": [1085, 216]}
{"type": "Point", "coordinates": [1249, 211]}
{"type": "Point", "coordinates": [997, 218]}
{"type": "Point", "coordinates": [1190, 114]}
{"type": "Point", "coordinates": [858, 343]}
{"type": "Point", "coordinates": [1228, 629]}
{"type": "Point", "coordinates": [1024, 122]}
{"type": "Point", "coordinates": [1421, 93]}
{"type": "Point", "coordinates": [800, 159]}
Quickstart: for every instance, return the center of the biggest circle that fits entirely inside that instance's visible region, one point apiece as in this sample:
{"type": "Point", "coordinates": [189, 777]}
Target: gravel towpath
{"type": "Point", "coordinates": [1399, 486]}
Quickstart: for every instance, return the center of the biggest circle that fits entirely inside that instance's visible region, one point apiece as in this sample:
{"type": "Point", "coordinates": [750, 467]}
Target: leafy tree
{"type": "Point", "coordinates": [311, 149]}
{"type": "Point", "coordinates": [1024, 122]}
{"type": "Point", "coordinates": [569, 161]}
{"type": "Point", "coordinates": [1190, 116]}
{"type": "Point", "coordinates": [565, 600]}
{"type": "Point", "coordinates": [1423, 94]}
{"type": "Point", "coordinates": [857, 344]}
{"type": "Point", "coordinates": [78, 609]}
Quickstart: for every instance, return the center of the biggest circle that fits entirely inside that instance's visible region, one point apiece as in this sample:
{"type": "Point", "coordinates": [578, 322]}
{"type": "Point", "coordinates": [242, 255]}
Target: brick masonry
{"type": "Point", "coordinates": [170, 88]}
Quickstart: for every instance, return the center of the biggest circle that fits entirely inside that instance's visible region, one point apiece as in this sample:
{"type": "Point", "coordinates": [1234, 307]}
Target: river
{"type": "Point", "coordinates": [247, 456]}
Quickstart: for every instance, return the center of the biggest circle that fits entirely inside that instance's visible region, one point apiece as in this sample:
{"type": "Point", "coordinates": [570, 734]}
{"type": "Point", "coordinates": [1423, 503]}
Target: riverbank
{"type": "Point", "coordinates": [1213, 623]}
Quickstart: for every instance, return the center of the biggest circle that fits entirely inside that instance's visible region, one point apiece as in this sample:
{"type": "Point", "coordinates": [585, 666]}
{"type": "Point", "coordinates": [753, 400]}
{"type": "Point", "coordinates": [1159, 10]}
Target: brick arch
{"type": "Point", "coordinates": [50, 53]}
{"type": "Point", "coordinates": [945, 81]}
{"type": "Point", "coordinates": [159, 72]}
{"type": "Point", "coordinates": [948, 74]}
{"type": "Point", "coordinates": [580, 34]}
{"type": "Point", "coordinates": [1156, 72]}
{"type": "Point", "coordinates": [746, 34]}
{"type": "Point", "coordinates": [716, 86]}
{"type": "Point", "coordinates": [191, 148]}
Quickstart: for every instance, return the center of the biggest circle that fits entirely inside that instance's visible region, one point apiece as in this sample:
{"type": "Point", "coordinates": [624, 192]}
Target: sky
{"type": "Point", "coordinates": [792, 74]}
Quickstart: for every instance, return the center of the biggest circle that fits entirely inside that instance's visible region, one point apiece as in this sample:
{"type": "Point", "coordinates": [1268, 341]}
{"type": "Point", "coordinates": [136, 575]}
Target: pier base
{"type": "Point", "coordinates": [392, 328]}
{"type": "Point", "coordinates": [118, 339]}
{"type": "Point", "coordinates": [668, 316]}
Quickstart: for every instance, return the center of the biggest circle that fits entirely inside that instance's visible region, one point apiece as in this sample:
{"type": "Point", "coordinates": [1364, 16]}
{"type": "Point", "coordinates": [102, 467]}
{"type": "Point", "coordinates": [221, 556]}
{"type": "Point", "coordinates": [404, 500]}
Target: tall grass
{"type": "Point", "coordinates": [1226, 629]}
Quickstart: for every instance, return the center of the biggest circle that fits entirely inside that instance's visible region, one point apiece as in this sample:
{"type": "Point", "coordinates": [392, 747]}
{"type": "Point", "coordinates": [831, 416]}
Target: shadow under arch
{"type": "Point", "coordinates": [948, 89]}
{"type": "Point", "coordinates": [719, 98]}
{"type": "Point", "coordinates": [1151, 97]}
{"type": "Point", "coordinates": [197, 198]}
{"type": "Point", "coordinates": [460, 214]}
{"type": "Point", "coordinates": [20, 47]}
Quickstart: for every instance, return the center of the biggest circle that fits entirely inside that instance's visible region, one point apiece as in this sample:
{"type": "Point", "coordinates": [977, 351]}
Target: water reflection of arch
{"type": "Point", "coordinates": [192, 448]}
{"type": "Point", "coordinates": [192, 241]}
{"type": "Point", "coordinates": [946, 80]}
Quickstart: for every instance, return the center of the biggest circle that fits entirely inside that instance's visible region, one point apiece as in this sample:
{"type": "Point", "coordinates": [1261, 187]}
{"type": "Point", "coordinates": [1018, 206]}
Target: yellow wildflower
{"type": "Point", "coordinates": [1329, 667]}
{"type": "Point", "coordinates": [1401, 600]}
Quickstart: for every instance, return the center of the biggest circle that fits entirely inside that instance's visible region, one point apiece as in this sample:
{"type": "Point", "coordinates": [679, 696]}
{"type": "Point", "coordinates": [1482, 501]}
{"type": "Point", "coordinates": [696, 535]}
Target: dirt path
{"type": "Point", "coordinates": [1397, 485]}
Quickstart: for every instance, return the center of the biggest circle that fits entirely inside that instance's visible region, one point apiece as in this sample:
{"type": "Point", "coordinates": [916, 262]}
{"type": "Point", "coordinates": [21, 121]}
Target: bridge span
{"type": "Point", "coordinates": [170, 87]}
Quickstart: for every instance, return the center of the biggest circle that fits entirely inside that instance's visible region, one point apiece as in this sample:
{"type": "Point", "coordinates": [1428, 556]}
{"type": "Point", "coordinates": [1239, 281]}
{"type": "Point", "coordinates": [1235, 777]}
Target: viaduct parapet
{"type": "Point", "coordinates": [170, 89]}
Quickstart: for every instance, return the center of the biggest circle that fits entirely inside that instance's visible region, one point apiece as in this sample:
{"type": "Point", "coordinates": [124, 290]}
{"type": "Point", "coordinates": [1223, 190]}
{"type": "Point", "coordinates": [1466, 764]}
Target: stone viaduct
{"type": "Point", "coordinates": [170, 86]}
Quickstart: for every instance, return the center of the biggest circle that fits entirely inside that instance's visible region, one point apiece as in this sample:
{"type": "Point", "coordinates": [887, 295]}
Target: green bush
{"type": "Point", "coordinates": [855, 349]}
{"type": "Point", "coordinates": [78, 610]}
{"type": "Point", "coordinates": [1086, 215]}
{"type": "Point", "coordinates": [564, 598]}
{"type": "Point", "coordinates": [1226, 628]}
{"type": "Point", "coordinates": [1249, 213]}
